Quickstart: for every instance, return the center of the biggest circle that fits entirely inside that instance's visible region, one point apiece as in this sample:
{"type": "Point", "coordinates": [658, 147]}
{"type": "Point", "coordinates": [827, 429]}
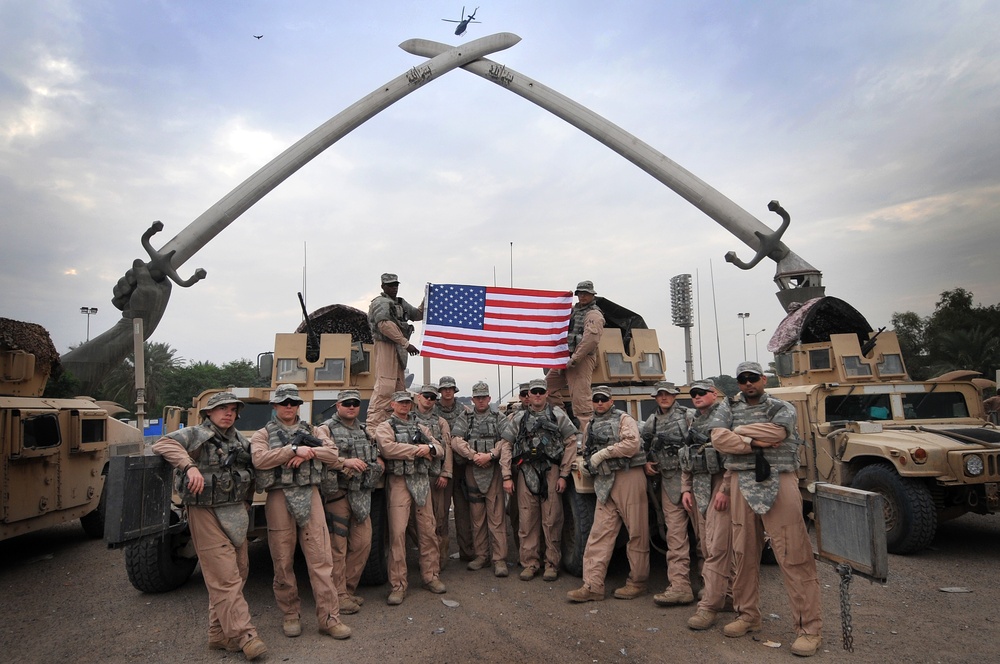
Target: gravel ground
{"type": "Point", "coordinates": [66, 598]}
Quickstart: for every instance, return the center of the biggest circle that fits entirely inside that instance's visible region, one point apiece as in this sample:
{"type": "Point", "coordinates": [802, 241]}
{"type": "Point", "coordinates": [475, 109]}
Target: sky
{"type": "Point", "coordinates": [876, 125]}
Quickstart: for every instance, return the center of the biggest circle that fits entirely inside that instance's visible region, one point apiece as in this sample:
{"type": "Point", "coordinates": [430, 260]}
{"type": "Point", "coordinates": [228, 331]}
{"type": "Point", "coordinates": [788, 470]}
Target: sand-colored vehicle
{"type": "Point", "coordinates": [53, 452]}
{"type": "Point", "coordinates": [158, 552]}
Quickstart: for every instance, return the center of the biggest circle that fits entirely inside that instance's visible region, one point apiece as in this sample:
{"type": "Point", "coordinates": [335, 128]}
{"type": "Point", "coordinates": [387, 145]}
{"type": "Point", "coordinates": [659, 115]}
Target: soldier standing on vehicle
{"type": "Point", "coordinates": [349, 505]}
{"type": "Point", "coordinates": [705, 487]}
{"type": "Point", "coordinates": [389, 316]}
{"type": "Point", "coordinates": [476, 437]}
{"type": "Point", "coordinates": [542, 444]}
{"type": "Point", "coordinates": [289, 459]}
{"type": "Point", "coordinates": [456, 493]}
{"type": "Point", "coordinates": [663, 435]}
{"type": "Point", "coordinates": [409, 450]}
{"type": "Point", "coordinates": [585, 330]}
{"type": "Point", "coordinates": [762, 457]}
{"type": "Point", "coordinates": [216, 485]}
{"type": "Point", "coordinates": [614, 455]}
{"type": "Point", "coordinates": [441, 467]}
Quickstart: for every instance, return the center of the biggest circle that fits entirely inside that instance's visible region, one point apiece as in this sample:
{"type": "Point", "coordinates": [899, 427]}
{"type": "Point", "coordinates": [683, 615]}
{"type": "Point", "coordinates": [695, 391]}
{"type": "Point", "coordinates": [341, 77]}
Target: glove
{"type": "Point", "coordinates": [599, 457]}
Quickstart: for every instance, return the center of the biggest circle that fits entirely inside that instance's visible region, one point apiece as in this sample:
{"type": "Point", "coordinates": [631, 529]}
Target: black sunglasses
{"type": "Point", "coordinates": [600, 398]}
{"type": "Point", "coordinates": [430, 397]}
{"type": "Point", "coordinates": [743, 379]}
{"type": "Point", "coordinates": [697, 393]}
{"type": "Point", "coordinates": [350, 403]}
{"type": "Point", "coordinates": [524, 394]}
{"type": "Point", "coordinates": [538, 390]}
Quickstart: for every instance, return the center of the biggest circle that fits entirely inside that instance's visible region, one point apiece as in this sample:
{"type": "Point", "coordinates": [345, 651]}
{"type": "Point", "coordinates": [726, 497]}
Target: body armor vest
{"type": "Point", "coordinates": [538, 440]}
{"type": "Point", "coordinates": [482, 431]}
{"type": "Point", "coordinates": [308, 473]}
{"type": "Point", "coordinates": [664, 435]}
{"type": "Point", "coordinates": [407, 431]}
{"type": "Point", "coordinates": [605, 430]}
{"type": "Point", "coordinates": [575, 334]}
{"type": "Point", "coordinates": [385, 308]}
{"type": "Point", "coordinates": [353, 443]}
{"type": "Point", "coordinates": [782, 458]}
{"type": "Point", "coordinates": [432, 421]}
{"type": "Point", "coordinates": [224, 462]}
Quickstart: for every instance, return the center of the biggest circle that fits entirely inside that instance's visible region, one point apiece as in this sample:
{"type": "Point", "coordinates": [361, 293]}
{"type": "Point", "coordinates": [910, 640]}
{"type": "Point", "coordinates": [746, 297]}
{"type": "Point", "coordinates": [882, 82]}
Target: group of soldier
{"type": "Point", "coordinates": [726, 471]}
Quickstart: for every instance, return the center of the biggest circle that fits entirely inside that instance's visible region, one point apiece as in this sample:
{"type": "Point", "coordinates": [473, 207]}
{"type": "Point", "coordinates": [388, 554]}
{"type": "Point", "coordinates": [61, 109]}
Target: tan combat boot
{"type": "Point", "coordinates": [550, 574]}
{"type": "Point", "coordinates": [291, 626]}
{"type": "Point", "coordinates": [673, 597]}
{"type": "Point", "coordinates": [396, 597]}
{"type": "Point", "coordinates": [806, 645]}
{"type": "Point", "coordinates": [528, 573]}
{"type": "Point", "coordinates": [222, 643]}
{"type": "Point", "coordinates": [347, 605]}
{"type": "Point", "coordinates": [476, 564]}
{"type": "Point", "coordinates": [435, 586]}
{"type": "Point", "coordinates": [337, 630]}
{"type": "Point", "coordinates": [630, 591]}
{"type": "Point", "coordinates": [254, 648]}
{"type": "Point", "coordinates": [584, 594]}
{"type": "Point", "coordinates": [702, 619]}
{"type": "Point", "coordinates": [500, 569]}
{"type": "Point", "coordinates": [740, 627]}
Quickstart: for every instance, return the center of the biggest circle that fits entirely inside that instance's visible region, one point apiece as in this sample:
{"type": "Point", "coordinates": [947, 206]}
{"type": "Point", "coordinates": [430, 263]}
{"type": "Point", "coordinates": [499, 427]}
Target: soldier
{"type": "Point", "coordinates": [762, 457]}
{"type": "Point", "coordinates": [409, 449]}
{"type": "Point", "coordinates": [541, 445]}
{"type": "Point", "coordinates": [614, 455]}
{"type": "Point", "coordinates": [476, 437]}
{"type": "Point", "coordinates": [663, 435]}
{"type": "Point", "coordinates": [585, 330]}
{"type": "Point", "coordinates": [456, 493]}
{"type": "Point", "coordinates": [215, 485]}
{"type": "Point", "coordinates": [706, 497]}
{"type": "Point", "coordinates": [289, 459]}
{"type": "Point", "coordinates": [349, 505]}
{"type": "Point", "coordinates": [389, 316]}
{"type": "Point", "coordinates": [441, 467]}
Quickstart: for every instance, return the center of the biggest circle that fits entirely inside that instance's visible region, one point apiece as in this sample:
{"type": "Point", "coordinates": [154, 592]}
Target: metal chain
{"type": "Point", "coordinates": [844, 570]}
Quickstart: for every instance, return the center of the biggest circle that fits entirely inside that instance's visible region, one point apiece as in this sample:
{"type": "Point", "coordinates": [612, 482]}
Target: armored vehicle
{"type": "Point", "coordinates": [159, 555]}
{"type": "Point", "coordinates": [54, 452]}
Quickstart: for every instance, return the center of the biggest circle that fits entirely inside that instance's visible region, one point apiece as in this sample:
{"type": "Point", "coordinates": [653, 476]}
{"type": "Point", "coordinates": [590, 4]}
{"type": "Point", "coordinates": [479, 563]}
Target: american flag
{"type": "Point", "coordinates": [515, 326]}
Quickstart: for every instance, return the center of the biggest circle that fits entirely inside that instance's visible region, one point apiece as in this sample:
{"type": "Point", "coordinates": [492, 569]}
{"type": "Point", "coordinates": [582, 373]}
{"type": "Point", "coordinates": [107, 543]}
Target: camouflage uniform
{"type": "Point", "coordinates": [294, 510]}
{"type": "Point", "coordinates": [348, 505]}
{"type": "Point", "coordinates": [620, 485]}
{"type": "Point", "coordinates": [541, 445]}
{"type": "Point", "coordinates": [408, 483]}
{"type": "Point", "coordinates": [217, 519]}
{"type": "Point", "coordinates": [389, 320]}
{"type": "Point", "coordinates": [456, 493]}
{"type": "Point", "coordinates": [773, 505]}
{"type": "Point", "coordinates": [439, 467]}
{"type": "Point", "coordinates": [585, 331]}
{"type": "Point", "coordinates": [480, 433]}
{"type": "Point", "coordinates": [704, 476]}
{"type": "Point", "coordinates": [663, 433]}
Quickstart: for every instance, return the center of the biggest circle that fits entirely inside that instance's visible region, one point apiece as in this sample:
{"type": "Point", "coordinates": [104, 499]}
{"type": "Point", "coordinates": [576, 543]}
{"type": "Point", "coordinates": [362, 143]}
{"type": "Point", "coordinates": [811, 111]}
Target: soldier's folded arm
{"type": "Point", "coordinates": [263, 456]}
{"type": "Point", "coordinates": [392, 332]}
{"type": "Point", "coordinates": [385, 437]}
{"type": "Point", "coordinates": [629, 443]}
{"type": "Point", "coordinates": [433, 443]}
{"type": "Point", "coordinates": [173, 452]}
{"type": "Point", "coordinates": [328, 453]}
{"type": "Point", "coordinates": [765, 432]}
{"type": "Point", "coordinates": [462, 448]}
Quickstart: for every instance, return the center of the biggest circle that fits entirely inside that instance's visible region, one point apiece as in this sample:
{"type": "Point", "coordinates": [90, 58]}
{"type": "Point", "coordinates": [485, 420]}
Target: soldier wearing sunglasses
{"type": "Point", "coordinates": [765, 496]}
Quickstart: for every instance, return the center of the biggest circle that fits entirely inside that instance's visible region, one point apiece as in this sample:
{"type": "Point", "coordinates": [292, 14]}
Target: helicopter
{"type": "Point", "coordinates": [463, 23]}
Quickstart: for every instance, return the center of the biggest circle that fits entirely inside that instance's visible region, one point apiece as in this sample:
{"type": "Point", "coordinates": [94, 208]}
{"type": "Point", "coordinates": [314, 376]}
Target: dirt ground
{"type": "Point", "coordinates": [64, 597]}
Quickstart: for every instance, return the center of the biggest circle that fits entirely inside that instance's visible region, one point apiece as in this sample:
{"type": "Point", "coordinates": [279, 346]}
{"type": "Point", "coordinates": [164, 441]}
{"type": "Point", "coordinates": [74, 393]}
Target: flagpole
{"type": "Point", "coordinates": [511, 285]}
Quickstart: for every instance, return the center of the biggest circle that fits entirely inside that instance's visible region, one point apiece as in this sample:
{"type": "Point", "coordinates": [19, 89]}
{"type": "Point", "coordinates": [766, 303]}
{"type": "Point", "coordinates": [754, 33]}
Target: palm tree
{"type": "Point", "coordinates": [976, 348]}
{"type": "Point", "coordinates": [160, 362]}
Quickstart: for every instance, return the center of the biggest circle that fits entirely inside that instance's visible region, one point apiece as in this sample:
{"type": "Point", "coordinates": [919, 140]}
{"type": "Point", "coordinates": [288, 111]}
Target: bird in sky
{"type": "Point", "coordinates": [257, 36]}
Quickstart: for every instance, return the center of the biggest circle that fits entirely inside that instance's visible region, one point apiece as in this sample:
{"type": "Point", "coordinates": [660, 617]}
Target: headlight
{"type": "Point", "coordinates": [973, 465]}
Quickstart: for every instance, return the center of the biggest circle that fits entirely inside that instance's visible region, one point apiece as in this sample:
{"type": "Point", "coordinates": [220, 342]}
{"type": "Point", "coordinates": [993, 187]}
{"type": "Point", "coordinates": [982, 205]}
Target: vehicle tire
{"type": "Point", "coordinates": [376, 572]}
{"type": "Point", "coordinates": [154, 566]}
{"type": "Point", "coordinates": [93, 523]}
{"type": "Point", "coordinates": [578, 518]}
{"type": "Point", "coordinates": [910, 517]}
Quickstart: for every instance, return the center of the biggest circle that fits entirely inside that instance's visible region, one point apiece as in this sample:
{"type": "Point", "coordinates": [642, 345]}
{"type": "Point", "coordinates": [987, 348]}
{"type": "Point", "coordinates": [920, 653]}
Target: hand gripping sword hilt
{"type": "Point", "coordinates": [159, 263]}
{"type": "Point", "coordinates": [768, 241]}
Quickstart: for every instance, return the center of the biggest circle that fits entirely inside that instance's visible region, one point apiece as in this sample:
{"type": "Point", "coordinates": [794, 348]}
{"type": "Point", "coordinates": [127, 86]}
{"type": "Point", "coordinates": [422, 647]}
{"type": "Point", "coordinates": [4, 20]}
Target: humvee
{"type": "Point", "coordinates": [159, 556]}
{"type": "Point", "coordinates": [53, 452]}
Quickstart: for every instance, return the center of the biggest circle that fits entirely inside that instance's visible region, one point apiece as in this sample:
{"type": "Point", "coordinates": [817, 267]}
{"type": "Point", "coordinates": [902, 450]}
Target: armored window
{"type": "Point", "coordinates": [891, 365]}
{"type": "Point", "coordinates": [646, 408]}
{"type": "Point", "coordinates": [254, 416]}
{"type": "Point", "coordinates": [853, 366]}
{"type": "Point", "coordinates": [332, 370]}
{"type": "Point", "coordinates": [290, 371]}
{"type": "Point", "coordinates": [92, 431]}
{"type": "Point", "coordinates": [934, 405]}
{"type": "Point", "coordinates": [858, 407]}
{"type": "Point", "coordinates": [819, 359]}
{"type": "Point", "coordinates": [618, 366]}
{"type": "Point", "coordinates": [784, 364]}
{"type": "Point", "coordinates": [41, 431]}
{"type": "Point", "coordinates": [650, 366]}
{"type": "Point", "coordinates": [322, 410]}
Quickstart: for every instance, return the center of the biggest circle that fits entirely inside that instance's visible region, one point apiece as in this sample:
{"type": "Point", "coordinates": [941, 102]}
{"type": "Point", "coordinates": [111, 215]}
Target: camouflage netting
{"type": "Point", "coordinates": [815, 321]}
{"type": "Point", "coordinates": [339, 319]}
{"type": "Point", "coordinates": [29, 337]}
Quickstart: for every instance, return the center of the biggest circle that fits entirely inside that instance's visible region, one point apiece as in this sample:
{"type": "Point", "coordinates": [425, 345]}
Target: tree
{"type": "Point", "coordinates": [160, 362]}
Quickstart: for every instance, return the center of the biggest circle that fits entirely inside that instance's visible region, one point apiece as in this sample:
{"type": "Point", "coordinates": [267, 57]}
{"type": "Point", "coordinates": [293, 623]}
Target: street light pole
{"type": "Point", "coordinates": [756, 353]}
{"type": "Point", "coordinates": [743, 318]}
{"type": "Point", "coordinates": [88, 311]}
